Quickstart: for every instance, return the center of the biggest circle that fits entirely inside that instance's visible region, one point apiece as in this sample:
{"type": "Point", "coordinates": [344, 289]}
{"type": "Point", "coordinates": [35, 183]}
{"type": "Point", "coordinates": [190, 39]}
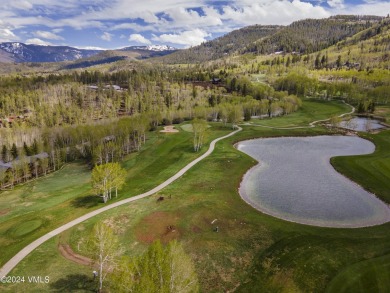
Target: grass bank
{"type": "Point", "coordinates": [370, 171]}
{"type": "Point", "coordinates": [310, 111]}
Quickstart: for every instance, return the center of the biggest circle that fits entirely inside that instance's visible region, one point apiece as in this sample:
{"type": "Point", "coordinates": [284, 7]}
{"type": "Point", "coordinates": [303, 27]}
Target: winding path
{"type": "Point", "coordinates": [4, 271]}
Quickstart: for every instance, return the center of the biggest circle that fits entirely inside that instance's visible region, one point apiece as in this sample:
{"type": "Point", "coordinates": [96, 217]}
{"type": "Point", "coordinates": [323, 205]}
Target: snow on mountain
{"type": "Point", "coordinates": [38, 53]}
{"type": "Point", "coordinates": [160, 48]}
{"type": "Point", "coordinates": [20, 52]}
{"type": "Point", "coordinates": [154, 48]}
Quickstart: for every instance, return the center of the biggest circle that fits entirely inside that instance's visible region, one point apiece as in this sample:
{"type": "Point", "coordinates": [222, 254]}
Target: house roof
{"type": "Point", "coordinates": [9, 165]}
{"type": "Point", "coordinates": [5, 166]}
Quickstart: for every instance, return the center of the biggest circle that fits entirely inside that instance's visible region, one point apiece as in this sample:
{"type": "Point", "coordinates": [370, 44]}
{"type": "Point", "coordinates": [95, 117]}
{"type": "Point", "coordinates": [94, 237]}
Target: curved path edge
{"type": "Point", "coordinates": [4, 271]}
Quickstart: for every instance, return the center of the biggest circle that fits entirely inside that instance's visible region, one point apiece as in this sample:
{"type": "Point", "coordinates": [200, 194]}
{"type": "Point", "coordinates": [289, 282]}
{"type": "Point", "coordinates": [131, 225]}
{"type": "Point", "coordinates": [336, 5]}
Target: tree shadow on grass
{"type": "Point", "coordinates": [88, 201]}
{"type": "Point", "coordinates": [75, 282]}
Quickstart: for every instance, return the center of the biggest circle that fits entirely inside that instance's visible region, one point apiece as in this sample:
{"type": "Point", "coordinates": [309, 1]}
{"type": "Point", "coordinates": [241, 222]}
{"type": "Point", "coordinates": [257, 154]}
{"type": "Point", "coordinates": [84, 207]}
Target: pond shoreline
{"type": "Point", "coordinates": [380, 216]}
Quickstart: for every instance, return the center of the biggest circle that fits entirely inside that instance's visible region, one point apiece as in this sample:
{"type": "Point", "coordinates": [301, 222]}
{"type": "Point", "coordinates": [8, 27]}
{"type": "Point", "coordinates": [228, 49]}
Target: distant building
{"type": "Point", "coordinates": [106, 87]}
{"type": "Point", "coordinates": [30, 159]}
{"type": "Point", "coordinates": [216, 80]}
{"type": "Point", "coordinates": [114, 86]}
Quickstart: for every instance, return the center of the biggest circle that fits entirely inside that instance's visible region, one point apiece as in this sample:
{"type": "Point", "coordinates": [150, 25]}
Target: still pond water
{"type": "Point", "coordinates": [361, 124]}
{"type": "Point", "coordinates": [295, 181]}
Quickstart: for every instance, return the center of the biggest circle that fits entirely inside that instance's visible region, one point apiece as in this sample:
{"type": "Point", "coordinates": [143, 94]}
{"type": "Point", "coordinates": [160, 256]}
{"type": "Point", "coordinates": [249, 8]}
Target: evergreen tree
{"type": "Point", "coordinates": [26, 149]}
{"type": "Point", "coordinates": [338, 62]}
{"type": "Point", "coordinates": [14, 151]}
{"type": "Point", "coordinates": [5, 154]}
{"type": "Point", "coordinates": [35, 148]}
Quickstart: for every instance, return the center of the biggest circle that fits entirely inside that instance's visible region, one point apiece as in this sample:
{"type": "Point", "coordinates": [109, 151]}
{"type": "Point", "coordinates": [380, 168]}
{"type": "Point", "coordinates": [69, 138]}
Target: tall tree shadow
{"type": "Point", "coordinates": [88, 201]}
{"type": "Point", "coordinates": [75, 282]}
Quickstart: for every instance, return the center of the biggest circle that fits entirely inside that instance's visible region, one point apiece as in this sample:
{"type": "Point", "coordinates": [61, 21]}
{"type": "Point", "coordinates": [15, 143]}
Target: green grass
{"type": "Point", "coordinates": [370, 171]}
{"type": "Point", "coordinates": [64, 276]}
{"type": "Point", "coordinates": [54, 189]}
{"type": "Point", "coordinates": [310, 111]}
{"type": "Point", "coordinates": [252, 252]}
{"type": "Point", "coordinates": [66, 194]}
{"type": "Point", "coordinates": [188, 127]}
{"type": "Point", "coordinates": [373, 274]}
{"type": "Point", "coordinates": [383, 111]}
{"type": "Point", "coordinates": [261, 78]}
{"type": "Point", "coordinates": [48, 201]}
{"type": "Point", "coordinates": [25, 228]}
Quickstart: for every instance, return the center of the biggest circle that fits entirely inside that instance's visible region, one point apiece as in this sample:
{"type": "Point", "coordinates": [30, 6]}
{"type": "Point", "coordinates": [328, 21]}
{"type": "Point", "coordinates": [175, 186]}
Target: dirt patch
{"type": "Point", "coordinates": [196, 229]}
{"type": "Point", "coordinates": [169, 129]}
{"type": "Point", "coordinates": [117, 224]}
{"type": "Point", "coordinates": [158, 225]}
{"type": "Point", "coordinates": [4, 212]}
{"type": "Point", "coordinates": [67, 252]}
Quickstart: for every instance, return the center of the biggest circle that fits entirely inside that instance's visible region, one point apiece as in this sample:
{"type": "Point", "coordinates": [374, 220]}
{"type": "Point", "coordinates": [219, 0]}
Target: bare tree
{"type": "Point", "coordinates": [105, 249]}
{"type": "Point", "coordinates": [199, 127]}
{"type": "Point", "coordinates": [44, 163]}
{"type": "Point", "coordinates": [3, 177]}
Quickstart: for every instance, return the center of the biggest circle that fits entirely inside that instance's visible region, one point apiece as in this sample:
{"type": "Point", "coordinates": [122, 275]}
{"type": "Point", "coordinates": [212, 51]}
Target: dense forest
{"type": "Point", "coordinates": [303, 37]}
{"type": "Point", "coordinates": [228, 44]}
{"type": "Point", "coordinates": [100, 117]}
{"type": "Point", "coordinates": [311, 35]}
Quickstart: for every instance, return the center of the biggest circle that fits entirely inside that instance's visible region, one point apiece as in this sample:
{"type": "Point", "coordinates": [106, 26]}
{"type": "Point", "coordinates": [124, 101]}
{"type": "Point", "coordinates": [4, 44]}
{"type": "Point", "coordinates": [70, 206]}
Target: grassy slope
{"type": "Point", "coordinates": [383, 111]}
{"type": "Point", "coordinates": [40, 206]}
{"type": "Point", "coordinates": [252, 252]}
{"type": "Point", "coordinates": [373, 274]}
{"type": "Point", "coordinates": [371, 171]}
{"type": "Point", "coordinates": [311, 110]}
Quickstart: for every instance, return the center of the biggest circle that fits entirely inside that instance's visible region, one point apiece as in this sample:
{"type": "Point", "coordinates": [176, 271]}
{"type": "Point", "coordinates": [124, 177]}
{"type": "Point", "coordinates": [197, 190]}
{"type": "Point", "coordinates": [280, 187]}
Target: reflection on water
{"type": "Point", "coordinates": [361, 124]}
{"type": "Point", "coordinates": [295, 181]}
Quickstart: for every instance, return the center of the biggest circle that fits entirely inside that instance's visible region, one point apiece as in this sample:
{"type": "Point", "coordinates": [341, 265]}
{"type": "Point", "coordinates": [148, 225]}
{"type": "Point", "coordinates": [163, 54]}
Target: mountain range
{"type": "Point", "coordinates": [20, 52]}
{"type": "Point", "coordinates": [303, 37]}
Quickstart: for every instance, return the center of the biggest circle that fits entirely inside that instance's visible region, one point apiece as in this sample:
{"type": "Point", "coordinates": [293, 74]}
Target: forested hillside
{"type": "Point", "coordinates": [222, 46]}
{"type": "Point", "coordinates": [311, 35]}
{"type": "Point", "coordinates": [304, 36]}
{"type": "Point", "coordinates": [100, 117]}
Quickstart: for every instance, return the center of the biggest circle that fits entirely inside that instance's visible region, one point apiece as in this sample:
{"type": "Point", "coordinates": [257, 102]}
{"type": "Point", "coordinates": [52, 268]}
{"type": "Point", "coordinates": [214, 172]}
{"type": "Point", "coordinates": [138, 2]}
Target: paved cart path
{"type": "Point", "coordinates": [4, 271]}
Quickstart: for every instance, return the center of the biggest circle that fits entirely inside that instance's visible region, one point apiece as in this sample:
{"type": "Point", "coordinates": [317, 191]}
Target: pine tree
{"type": "Point", "coordinates": [26, 149]}
{"type": "Point", "coordinates": [14, 151]}
{"type": "Point", "coordinates": [338, 62]}
{"type": "Point", "coordinates": [5, 154]}
{"type": "Point", "coordinates": [34, 148]}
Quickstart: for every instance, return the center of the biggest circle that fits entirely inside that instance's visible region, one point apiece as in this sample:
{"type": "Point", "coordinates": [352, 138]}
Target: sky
{"type": "Point", "coordinates": [178, 23]}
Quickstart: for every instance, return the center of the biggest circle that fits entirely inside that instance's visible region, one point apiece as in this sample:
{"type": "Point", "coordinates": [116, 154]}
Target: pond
{"type": "Point", "coordinates": [361, 124]}
{"type": "Point", "coordinates": [295, 181]}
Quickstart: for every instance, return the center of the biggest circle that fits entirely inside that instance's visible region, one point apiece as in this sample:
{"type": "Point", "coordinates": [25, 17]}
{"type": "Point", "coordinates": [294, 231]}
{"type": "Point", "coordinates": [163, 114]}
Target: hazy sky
{"type": "Point", "coordinates": [179, 23]}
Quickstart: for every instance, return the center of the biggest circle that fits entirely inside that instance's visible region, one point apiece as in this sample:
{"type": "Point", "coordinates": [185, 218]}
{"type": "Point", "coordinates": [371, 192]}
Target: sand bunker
{"type": "Point", "coordinates": [169, 129]}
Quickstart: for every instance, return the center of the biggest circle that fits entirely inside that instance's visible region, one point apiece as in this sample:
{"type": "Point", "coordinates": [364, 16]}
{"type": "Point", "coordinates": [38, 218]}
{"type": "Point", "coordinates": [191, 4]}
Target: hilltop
{"type": "Point", "coordinates": [304, 36]}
